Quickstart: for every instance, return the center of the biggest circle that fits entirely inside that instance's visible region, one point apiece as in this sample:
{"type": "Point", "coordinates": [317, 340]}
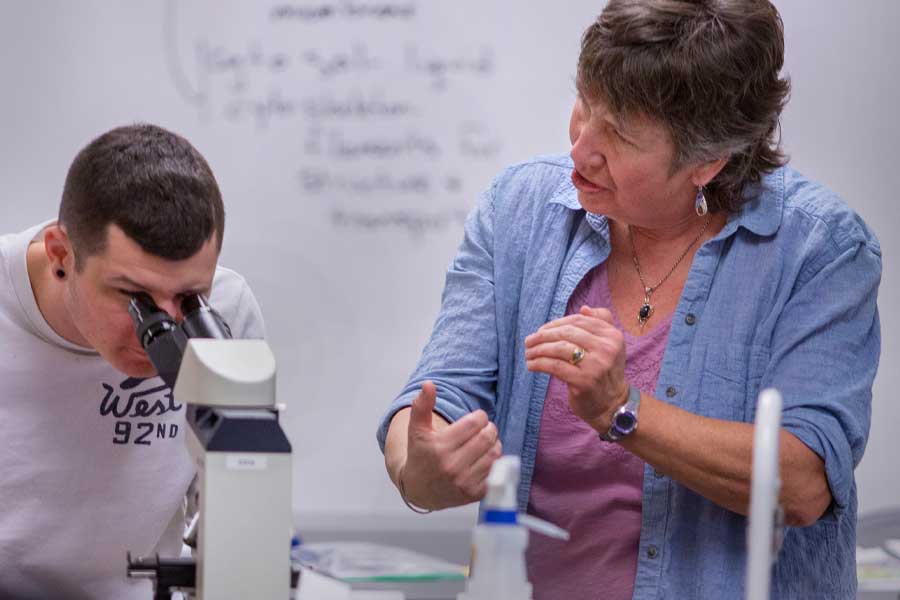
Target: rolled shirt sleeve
{"type": "Point", "coordinates": [461, 354]}
{"type": "Point", "coordinates": [825, 353]}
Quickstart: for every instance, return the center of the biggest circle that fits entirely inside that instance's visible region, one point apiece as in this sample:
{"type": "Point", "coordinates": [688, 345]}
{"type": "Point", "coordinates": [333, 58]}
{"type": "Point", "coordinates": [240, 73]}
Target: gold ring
{"type": "Point", "coordinates": [578, 355]}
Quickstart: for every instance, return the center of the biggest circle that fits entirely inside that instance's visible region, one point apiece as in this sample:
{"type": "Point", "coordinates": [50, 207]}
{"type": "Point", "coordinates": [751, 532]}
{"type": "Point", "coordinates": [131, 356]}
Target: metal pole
{"type": "Point", "coordinates": [764, 489]}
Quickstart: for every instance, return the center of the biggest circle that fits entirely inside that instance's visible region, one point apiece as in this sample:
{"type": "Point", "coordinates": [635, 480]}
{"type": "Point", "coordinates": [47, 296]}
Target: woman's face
{"type": "Point", "coordinates": [623, 168]}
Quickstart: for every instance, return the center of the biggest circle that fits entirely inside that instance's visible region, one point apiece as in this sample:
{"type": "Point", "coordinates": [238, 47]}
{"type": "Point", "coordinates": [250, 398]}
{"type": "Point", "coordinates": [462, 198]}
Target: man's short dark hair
{"type": "Point", "coordinates": [151, 183]}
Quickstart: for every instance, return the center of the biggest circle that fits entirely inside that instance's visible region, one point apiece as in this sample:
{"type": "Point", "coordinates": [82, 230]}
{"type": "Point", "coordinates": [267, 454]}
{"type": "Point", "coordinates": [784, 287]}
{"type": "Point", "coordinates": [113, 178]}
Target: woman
{"type": "Point", "coordinates": [611, 317]}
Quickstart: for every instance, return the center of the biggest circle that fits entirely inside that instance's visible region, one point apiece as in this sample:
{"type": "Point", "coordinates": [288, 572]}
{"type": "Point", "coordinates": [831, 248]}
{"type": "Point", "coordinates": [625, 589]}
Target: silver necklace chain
{"type": "Point", "coordinates": [646, 309]}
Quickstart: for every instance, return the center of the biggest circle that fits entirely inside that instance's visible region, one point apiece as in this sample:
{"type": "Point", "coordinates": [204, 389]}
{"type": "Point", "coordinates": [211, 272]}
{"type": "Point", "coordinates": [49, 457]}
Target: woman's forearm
{"type": "Point", "coordinates": [395, 443]}
{"type": "Point", "coordinates": [714, 458]}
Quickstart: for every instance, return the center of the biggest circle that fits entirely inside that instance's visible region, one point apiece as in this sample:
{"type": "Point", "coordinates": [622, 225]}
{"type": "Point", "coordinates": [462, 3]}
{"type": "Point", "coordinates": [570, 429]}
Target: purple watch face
{"type": "Point", "coordinates": [625, 422]}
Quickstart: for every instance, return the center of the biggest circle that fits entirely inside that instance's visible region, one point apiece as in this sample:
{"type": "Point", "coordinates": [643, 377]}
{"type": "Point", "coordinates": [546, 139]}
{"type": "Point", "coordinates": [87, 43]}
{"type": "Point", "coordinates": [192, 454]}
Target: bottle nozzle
{"type": "Point", "coordinates": [503, 484]}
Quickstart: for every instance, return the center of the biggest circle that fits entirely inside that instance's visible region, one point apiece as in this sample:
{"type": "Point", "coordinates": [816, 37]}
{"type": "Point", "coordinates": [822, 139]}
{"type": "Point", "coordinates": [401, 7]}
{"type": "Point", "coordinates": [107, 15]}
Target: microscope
{"type": "Point", "coordinates": [243, 458]}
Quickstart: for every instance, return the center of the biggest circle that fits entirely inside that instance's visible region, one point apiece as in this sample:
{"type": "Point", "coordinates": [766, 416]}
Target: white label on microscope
{"type": "Point", "coordinates": [245, 461]}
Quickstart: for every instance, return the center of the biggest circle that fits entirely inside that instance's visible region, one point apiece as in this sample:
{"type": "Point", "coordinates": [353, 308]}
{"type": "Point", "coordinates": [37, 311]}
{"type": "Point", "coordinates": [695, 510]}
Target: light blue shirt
{"type": "Point", "coordinates": [783, 296]}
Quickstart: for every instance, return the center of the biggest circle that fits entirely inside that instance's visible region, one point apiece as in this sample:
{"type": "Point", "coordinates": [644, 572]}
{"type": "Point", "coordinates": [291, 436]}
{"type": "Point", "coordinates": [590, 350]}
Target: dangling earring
{"type": "Point", "coordinates": [61, 274]}
{"type": "Point", "coordinates": [700, 203]}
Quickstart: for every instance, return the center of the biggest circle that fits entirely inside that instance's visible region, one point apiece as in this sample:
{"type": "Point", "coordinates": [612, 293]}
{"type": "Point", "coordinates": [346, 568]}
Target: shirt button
{"type": "Point", "coordinates": [690, 318]}
{"type": "Point", "coordinates": [671, 391]}
{"type": "Point", "coordinates": [652, 551]}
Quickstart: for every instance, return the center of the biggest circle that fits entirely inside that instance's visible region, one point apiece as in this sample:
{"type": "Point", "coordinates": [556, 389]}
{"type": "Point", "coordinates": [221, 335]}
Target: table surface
{"type": "Point", "coordinates": [872, 530]}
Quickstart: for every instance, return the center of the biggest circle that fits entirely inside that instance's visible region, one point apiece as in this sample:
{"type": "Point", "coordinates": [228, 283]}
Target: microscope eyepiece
{"type": "Point", "coordinates": [201, 320]}
{"type": "Point", "coordinates": [164, 340]}
{"type": "Point", "coordinates": [150, 321]}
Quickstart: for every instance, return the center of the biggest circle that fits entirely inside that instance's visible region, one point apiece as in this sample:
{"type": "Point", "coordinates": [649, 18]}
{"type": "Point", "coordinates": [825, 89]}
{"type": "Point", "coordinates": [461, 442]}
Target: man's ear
{"type": "Point", "coordinates": [58, 247]}
{"type": "Point", "coordinates": [705, 172]}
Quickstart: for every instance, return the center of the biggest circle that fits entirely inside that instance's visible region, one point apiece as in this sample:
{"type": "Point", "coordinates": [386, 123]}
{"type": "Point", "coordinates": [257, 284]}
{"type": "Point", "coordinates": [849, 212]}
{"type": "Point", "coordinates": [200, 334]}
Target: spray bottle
{"type": "Point", "coordinates": [499, 541]}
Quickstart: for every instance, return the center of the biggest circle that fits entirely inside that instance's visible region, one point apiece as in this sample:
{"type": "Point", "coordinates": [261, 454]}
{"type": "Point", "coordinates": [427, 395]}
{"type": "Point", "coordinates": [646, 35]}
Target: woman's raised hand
{"type": "Point", "coordinates": [587, 352]}
{"type": "Point", "coordinates": [446, 465]}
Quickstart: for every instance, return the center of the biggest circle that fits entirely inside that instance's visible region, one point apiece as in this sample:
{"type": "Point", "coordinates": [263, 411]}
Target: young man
{"type": "Point", "coordinates": [94, 461]}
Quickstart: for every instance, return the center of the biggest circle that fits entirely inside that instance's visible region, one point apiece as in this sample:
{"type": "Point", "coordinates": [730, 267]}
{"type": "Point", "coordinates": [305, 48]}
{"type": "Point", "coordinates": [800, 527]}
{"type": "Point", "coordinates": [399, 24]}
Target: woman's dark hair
{"type": "Point", "coordinates": [149, 182]}
{"type": "Point", "coordinates": [708, 70]}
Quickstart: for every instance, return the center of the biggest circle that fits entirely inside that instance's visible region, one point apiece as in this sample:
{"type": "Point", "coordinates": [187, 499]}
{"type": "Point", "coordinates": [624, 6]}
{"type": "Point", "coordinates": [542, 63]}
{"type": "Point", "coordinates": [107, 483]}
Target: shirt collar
{"type": "Point", "coordinates": [762, 211]}
{"type": "Point", "coordinates": [760, 214]}
{"type": "Point", "coordinates": [567, 195]}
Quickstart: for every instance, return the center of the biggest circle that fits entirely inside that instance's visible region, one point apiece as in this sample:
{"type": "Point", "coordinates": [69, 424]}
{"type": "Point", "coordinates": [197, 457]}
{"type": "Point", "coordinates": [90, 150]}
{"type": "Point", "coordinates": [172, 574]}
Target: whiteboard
{"type": "Point", "coordinates": [351, 137]}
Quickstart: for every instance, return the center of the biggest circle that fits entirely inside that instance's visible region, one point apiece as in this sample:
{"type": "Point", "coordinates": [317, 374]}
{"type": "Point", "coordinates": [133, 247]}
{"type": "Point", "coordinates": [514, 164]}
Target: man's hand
{"type": "Point", "coordinates": [445, 465]}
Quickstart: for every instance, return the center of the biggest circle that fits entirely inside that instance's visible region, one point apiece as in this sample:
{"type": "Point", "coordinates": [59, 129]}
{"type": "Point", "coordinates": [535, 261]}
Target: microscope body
{"type": "Point", "coordinates": [242, 456]}
{"type": "Point", "coordinates": [244, 473]}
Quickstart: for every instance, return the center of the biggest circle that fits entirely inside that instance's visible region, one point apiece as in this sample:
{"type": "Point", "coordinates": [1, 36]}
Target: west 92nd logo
{"type": "Point", "coordinates": [137, 414]}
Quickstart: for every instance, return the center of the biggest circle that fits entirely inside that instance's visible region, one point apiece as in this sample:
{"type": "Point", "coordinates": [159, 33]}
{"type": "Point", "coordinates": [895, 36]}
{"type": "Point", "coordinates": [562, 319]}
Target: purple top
{"type": "Point", "coordinates": [587, 486]}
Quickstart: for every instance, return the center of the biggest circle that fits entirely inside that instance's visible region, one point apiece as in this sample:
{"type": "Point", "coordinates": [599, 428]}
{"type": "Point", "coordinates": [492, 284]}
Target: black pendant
{"type": "Point", "coordinates": [644, 313]}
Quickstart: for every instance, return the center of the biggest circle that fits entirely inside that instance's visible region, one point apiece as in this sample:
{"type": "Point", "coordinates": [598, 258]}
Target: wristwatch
{"type": "Point", "coordinates": [625, 420]}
